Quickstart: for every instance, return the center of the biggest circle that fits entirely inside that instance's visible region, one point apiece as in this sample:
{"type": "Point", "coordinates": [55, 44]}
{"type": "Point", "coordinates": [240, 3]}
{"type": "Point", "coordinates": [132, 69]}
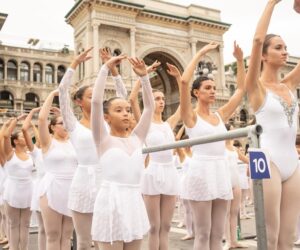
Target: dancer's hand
{"type": "Point", "coordinates": [274, 1]}
{"type": "Point", "coordinates": [55, 111]}
{"type": "Point", "coordinates": [21, 117]}
{"type": "Point", "coordinates": [105, 54]}
{"type": "Point", "coordinates": [209, 47]}
{"type": "Point", "coordinates": [84, 56]}
{"type": "Point", "coordinates": [238, 52]}
{"type": "Point", "coordinates": [114, 61]}
{"type": "Point", "coordinates": [153, 66]}
{"type": "Point", "coordinates": [173, 70]}
{"type": "Point", "coordinates": [138, 66]}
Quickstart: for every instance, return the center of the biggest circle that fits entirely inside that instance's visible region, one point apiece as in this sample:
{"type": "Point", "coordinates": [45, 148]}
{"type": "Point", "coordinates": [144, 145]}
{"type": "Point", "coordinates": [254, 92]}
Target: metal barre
{"type": "Point", "coordinates": [237, 133]}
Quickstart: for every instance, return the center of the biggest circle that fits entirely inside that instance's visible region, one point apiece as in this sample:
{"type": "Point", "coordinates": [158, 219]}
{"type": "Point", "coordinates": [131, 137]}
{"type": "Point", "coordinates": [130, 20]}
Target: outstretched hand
{"type": "Point", "coordinates": [138, 66]}
{"type": "Point", "coordinates": [21, 117]}
{"type": "Point", "coordinates": [114, 61]}
{"type": "Point", "coordinates": [238, 52]}
{"type": "Point", "coordinates": [209, 47]}
{"type": "Point", "coordinates": [55, 111]}
{"type": "Point", "coordinates": [105, 54]}
{"type": "Point", "coordinates": [173, 70]}
{"type": "Point", "coordinates": [153, 66]}
{"type": "Point", "coordinates": [84, 56]}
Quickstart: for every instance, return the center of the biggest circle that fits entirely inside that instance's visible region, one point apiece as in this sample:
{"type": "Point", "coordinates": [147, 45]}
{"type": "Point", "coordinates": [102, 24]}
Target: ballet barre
{"type": "Point", "coordinates": [252, 133]}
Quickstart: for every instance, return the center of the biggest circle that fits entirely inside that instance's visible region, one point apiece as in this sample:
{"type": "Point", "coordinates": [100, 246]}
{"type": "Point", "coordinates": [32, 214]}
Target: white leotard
{"type": "Point", "coordinates": [232, 158]}
{"type": "Point", "coordinates": [160, 176]}
{"type": "Point", "coordinates": [18, 186]}
{"type": "Point", "coordinates": [60, 163]}
{"type": "Point", "coordinates": [208, 177]}
{"type": "Point", "coordinates": [120, 213]}
{"type": "Point", "coordinates": [279, 122]}
{"type": "Point", "coordinates": [37, 158]}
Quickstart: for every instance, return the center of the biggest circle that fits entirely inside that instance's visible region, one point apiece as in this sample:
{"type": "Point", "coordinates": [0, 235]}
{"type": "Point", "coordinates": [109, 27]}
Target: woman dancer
{"type": "Point", "coordinates": [120, 218]}
{"type": "Point", "coordinates": [36, 155]}
{"type": "Point", "coordinates": [18, 188]}
{"type": "Point", "coordinates": [207, 183]}
{"type": "Point", "coordinates": [60, 161]}
{"type": "Point", "coordinates": [160, 178]}
{"type": "Point", "coordinates": [277, 111]}
{"type": "Point", "coordinates": [233, 156]}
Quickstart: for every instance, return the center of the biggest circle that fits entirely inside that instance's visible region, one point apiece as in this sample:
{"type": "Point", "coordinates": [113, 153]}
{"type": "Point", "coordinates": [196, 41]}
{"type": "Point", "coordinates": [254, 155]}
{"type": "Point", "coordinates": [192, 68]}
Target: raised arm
{"type": "Point", "coordinates": [186, 109]}
{"type": "Point", "coordinates": [229, 108]}
{"type": "Point", "coordinates": [176, 117]}
{"type": "Point", "coordinates": [97, 116]}
{"type": "Point", "coordinates": [141, 129]}
{"type": "Point", "coordinates": [9, 127]}
{"type": "Point", "coordinates": [2, 155]}
{"type": "Point", "coordinates": [44, 134]}
{"type": "Point", "coordinates": [26, 126]}
{"type": "Point", "coordinates": [133, 98]}
{"type": "Point", "coordinates": [255, 90]}
{"type": "Point", "coordinates": [68, 116]}
{"type": "Point", "coordinates": [121, 91]}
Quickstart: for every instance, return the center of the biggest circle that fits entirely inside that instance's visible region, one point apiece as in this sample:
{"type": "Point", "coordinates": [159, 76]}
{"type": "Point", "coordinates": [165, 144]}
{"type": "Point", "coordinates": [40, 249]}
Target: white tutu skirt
{"type": "Point", "coordinates": [243, 178]}
{"type": "Point", "coordinates": [35, 201]}
{"type": "Point", "coordinates": [207, 179]}
{"type": "Point", "coordinates": [234, 175]}
{"type": "Point", "coordinates": [119, 214]}
{"type": "Point", "coordinates": [18, 193]}
{"type": "Point", "coordinates": [160, 178]}
{"type": "Point", "coordinates": [56, 188]}
{"type": "Point", "coordinates": [84, 188]}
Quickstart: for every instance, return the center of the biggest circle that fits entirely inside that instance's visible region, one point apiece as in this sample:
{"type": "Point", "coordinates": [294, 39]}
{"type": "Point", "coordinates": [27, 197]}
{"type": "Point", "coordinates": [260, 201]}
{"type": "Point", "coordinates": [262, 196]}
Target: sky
{"type": "Point", "coordinates": [44, 19]}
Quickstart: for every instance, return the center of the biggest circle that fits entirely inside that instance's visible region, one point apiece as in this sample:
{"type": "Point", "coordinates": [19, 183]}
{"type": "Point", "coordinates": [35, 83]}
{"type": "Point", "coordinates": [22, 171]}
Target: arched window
{"type": "Point", "coordinates": [37, 72]}
{"type": "Point", "coordinates": [49, 74]}
{"type": "Point", "coordinates": [55, 102]}
{"type": "Point", "coordinates": [117, 52]}
{"type": "Point", "coordinates": [31, 101]}
{"type": "Point", "coordinates": [60, 73]}
{"type": "Point", "coordinates": [231, 90]}
{"type": "Point", "coordinates": [6, 100]}
{"type": "Point", "coordinates": [243, 116]}
{"type": "Point", "coordinates": [24, 72]}
{"type": "Point", "coordinates": [12, 70]}
{"type": "Point", "coordinates": [1, 69]}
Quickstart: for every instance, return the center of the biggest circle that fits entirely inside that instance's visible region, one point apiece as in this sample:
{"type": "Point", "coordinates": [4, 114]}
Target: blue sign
{"type": "Point", "coordinates": [259, 164]}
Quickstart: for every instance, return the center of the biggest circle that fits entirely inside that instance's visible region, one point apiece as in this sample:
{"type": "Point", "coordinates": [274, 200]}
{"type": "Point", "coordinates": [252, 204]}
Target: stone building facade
{"type": "Point", "coordinates": [148, 29]}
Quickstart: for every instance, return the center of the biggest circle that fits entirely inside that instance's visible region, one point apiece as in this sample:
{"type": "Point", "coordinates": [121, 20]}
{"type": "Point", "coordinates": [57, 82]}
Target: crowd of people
{"type": "Point", "coordinates": [92, 175]}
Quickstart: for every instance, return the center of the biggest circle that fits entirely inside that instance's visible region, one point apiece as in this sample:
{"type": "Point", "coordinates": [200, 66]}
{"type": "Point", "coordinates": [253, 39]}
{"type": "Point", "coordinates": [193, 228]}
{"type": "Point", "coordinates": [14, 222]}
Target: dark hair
{"type": "Point", "coordinates": [107, 103]}
{"type": "Point", "coordinates": [228, 126]}
{"type": "Point", "coordinates": [80, 92]}
{"type": "Point", "coordinates": [266, 45]}
{"type": "Point", "coordinates": [184, 137]}
{"type": "Point", "coordinates": [53, 121]}
{"type": "Point", "coordinates": [13, 137]}
{"type": "Point", "coordinates": [156, 90]}
{"type": "Point", "coordinates": [197, 84]}
{"type": "Point", "coordinates": [237, 144]}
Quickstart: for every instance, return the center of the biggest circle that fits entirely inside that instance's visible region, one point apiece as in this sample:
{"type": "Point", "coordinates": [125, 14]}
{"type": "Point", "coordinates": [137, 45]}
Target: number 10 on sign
{"type": "Point", "coordinates": [259, 164]}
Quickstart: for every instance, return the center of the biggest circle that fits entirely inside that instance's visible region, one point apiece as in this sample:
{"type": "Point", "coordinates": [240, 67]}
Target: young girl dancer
{"type": "Point", "coordinates": [18, 188]}
{"type": "Point", "coordinates": [36, 155]}
{"type": "Point", "coordinates": [60, 161]}
{"type": "Point", "coordinates": [277, 111]}
{"type": "Point", "coordinates": [207, 183]}
{"type": "Point", "coordinates": [120, 218]}
{"type": "Point", "coordinates": [160, 179]}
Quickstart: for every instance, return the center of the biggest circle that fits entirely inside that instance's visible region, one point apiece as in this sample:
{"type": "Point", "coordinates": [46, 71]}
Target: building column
{"type": "Point", "coordinates": [31, 72]}
{"type": "Point", "coordinates": [44, 74]}
{"type": "Point", "coordinates": [55, 75]}
{"type": "Point", "coordinates": [132, 53]}
{"type": "Point", "coordinates": [89, 43]}
{"type": "Point", "coordinates": [194, 48]}
{"type": "Point", "coordinates": [5, 70]}
{"type": "Point", "coordinates": [221, 67]}
{"type": "Point", "coordinates": [96, 63]}
{"type": "Point", "coordinates": [18, 72]}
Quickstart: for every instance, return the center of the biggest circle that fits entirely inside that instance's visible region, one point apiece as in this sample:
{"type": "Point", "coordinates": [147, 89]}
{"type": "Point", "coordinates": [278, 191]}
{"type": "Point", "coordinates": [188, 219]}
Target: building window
{"type": "Point", "coordinates": [31, 101]}
{"type": "Point", "coordinates": [6, 100]}
{"type": "Point", "coordinates": [24, 72]}
{"type": "Point", "coordinates": [298, 93]}
{"type": "Point", "coordinates": [49, 74]}
{"type": "Point", "coordinates": [12, 70]}
{"type": "Point", "coordinates": [231, 90]}
{"type": "Point", "coordinates": [1, 69]}
{"type": "Point", "coordinates": [60, 73]}
{"type": "Point", "coordinates": [37, 72]}
{"type": "Point", "coordinates": [117, 52]}
{"type": "Point", "coordinates": [55, 102]}
{"type": "Point", "coordinates": [243, 116]}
